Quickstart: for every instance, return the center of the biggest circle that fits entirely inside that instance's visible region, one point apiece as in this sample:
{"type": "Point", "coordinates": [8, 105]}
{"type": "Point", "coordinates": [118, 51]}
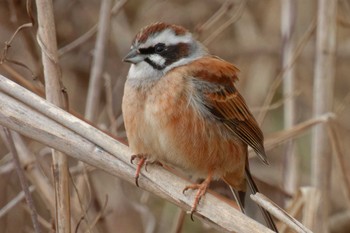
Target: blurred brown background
{"type": "Point", "coordinates": [246, 33]}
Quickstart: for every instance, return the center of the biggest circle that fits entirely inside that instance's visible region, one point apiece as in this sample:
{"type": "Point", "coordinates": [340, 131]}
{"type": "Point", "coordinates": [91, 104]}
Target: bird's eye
{"type": "Point", "coordinates": [160, 47]}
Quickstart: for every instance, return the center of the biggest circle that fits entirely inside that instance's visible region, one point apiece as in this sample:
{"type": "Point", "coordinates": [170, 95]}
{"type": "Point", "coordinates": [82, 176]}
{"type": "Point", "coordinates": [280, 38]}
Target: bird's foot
{"type": "Point", "coordinates": [142, 161]}
{"type": "Point", "coordinates": [201, 190]}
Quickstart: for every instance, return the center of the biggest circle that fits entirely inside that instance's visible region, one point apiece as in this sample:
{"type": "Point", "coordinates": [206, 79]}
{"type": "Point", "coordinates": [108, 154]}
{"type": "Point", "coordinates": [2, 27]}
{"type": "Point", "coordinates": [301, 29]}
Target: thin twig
{"type": "Point", "coordinates": [275, 84]}
{"type": "Point", "coordinates": [290, 158]}
{"type": "Point", "coordinates": [225, 7]}
{"type": "Point", "coordinates": [45, 224]}
{"type": "Point", "coordinates": [80, 40]}
{"type": "Point", "coordinates": [6, 168]}
{"type": "Point", "coordinates": [340, 158]}
{"type": "Point", "coordinates": [276, 104]}
{"type": "Point", "coordinates": [298, 130]}
{"type": "Point", "coordinates": [279, 213]}
{"type": "Point", "coordinates": [87, 35]}
{"type": "Point", "coordinates": [312, 200]}
{"type": "Point", "coordinates": [4, 59]}
{"type": "Point", "coordinates": [321, 157]}
{"type": "Point", "coordinates": [179, 221]}
{"type": "Point", "coordinates": [17, 199]}
{"type": "Point", "coordinates": [95, 83]}
{"type": "Point", "coordinates": [98, 216]}
{"type": "Point", "coordinates": [41, 220]}
{"type": "Point", "coordinates": [118, 6]}
{"type": "Point", "coordinates": [42, 185]}
{"type": "Point", "coordinates": [23, 181]}
{"type": "Point", "coordinates": [109, 103]}
{"type": "Point", "coordinates": [236, 16]}
{"type": "Point", "coordinates": [38, 88]}
{"type": "Point", "coordinates": [9, 42]}
{"type": "Point", "coordinates": [294, 208]}
{"type": "Point", "coordinates": [78, 196]}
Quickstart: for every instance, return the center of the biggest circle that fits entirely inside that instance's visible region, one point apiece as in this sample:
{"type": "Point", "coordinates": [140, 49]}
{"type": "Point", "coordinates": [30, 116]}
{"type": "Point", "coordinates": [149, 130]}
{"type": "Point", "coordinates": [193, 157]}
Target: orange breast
{"type": "Point", "coordinates": [162, 123]}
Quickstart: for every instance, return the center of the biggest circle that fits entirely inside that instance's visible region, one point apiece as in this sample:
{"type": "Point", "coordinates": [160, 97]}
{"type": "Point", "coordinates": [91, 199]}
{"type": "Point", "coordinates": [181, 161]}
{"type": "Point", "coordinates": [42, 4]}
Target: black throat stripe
{"type": "Point", "coordinates": [154, 65]}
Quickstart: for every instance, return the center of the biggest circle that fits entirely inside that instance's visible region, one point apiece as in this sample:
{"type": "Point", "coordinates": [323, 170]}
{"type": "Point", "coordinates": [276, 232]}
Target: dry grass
{"type": "Point", "coordinates": [246, 33]}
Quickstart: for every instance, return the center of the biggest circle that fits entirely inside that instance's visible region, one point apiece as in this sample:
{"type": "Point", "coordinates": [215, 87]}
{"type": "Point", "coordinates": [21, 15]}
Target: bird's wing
{"type": "Point", "coordinates": [215, 82]}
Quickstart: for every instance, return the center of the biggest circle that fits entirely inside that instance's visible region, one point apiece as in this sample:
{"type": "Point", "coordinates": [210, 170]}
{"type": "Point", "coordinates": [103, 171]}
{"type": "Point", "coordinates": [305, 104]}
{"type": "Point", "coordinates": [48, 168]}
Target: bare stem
{"type": "Point", "coordinates": [95, 84]}
{"type": "Point", "coordinates": [276, 83]}
{"type": "Point", "coordinates": [23, 181]}
{"type": "Point", "coordinates": [17, 199]}
{"type": "Point", "coordinates": [55, 94]}
{"type": "Point", "coordinates": [323, 99]}
{"type": "Point", "coordinates": [288, 15]}
{"type": "Point", "coordinates": [279, 213]}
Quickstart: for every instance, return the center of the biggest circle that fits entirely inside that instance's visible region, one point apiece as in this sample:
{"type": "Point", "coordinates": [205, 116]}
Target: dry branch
{"type": "Point", "coordinates": [95, 83]}
{"type": "Point", "coordinates": [88, 34]}
{"type": "Point", "coordinates": [46, 37]}
{"type": "Point", "coordinates": [33, 173]}
{"type": "Point", "coordinates": [340, 158]}
{"type": "Point", "coordinates": [290, 163]}
{"type": "Point", "coordinates": [279, 213]}
{"type": "Point", "coordinates": [56, 128]}
{"type": "Point", "coordinates": [323, 102]}
{"type": "Point", "coordinates": [17, 199]}
{"type": "Point", "coordinates": [236, 16]}
{"type": "Point", "coordinates": [274, 86]}
{"type": "Point", "coordinates": [23, 181]}
{"type": "Point", "coordinates": [298, 130]}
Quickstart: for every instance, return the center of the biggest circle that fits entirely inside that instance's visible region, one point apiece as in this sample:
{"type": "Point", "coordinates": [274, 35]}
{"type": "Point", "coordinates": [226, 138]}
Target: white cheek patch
{"type": "Point", "coordinates": [169, 38]}
{"type": "Point", "coordinates": [157, 59]}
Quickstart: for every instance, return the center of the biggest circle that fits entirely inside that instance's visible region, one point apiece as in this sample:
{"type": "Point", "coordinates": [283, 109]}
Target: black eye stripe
{"type": "Point", "coordinates": [158, 48]}
{"type": "Point", "coordinates": [149, 50]}
{"type": "Point", "coordinates": [170, 53]}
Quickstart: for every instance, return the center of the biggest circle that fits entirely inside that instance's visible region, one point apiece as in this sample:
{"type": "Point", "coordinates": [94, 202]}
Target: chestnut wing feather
{"type": "Point", "coordinates": [222, 99]}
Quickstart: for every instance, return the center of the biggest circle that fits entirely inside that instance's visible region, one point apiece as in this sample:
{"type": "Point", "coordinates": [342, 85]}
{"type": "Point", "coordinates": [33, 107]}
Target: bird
{"type": "Point", "coordinates": [181, 108]}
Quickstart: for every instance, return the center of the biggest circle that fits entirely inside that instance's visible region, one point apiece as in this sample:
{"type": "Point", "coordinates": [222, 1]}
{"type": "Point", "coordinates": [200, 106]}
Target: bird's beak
{"type": "Point", "coordinates": [133, 56]}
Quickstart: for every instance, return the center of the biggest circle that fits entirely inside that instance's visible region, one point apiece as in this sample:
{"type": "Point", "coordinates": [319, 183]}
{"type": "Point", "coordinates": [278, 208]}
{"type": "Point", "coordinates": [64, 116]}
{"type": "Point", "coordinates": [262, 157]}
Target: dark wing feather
{"type": "Point", "coordinates": [222, 99]}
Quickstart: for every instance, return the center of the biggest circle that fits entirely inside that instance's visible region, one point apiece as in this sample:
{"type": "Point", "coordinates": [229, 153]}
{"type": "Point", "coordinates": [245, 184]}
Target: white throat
{"type": "Point", "coordinates": [142, 73]}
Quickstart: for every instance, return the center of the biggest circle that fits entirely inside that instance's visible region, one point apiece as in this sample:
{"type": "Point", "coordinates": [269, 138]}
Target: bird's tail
{"type": "Point", "coordinates": [238, 189]}
{"type": "Point", "coordinates": [254, 189]}
{"type": "Point", "coordinates": [239, 197]}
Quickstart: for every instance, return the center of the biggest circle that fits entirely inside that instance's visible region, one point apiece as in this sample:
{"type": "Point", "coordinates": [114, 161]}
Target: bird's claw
{"type": "Point", "coordinates": [142, 159]}
{"type": "Point", "coordinates": [142, 162]}
{"type": "Point", "coordinates": [201, 190]}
